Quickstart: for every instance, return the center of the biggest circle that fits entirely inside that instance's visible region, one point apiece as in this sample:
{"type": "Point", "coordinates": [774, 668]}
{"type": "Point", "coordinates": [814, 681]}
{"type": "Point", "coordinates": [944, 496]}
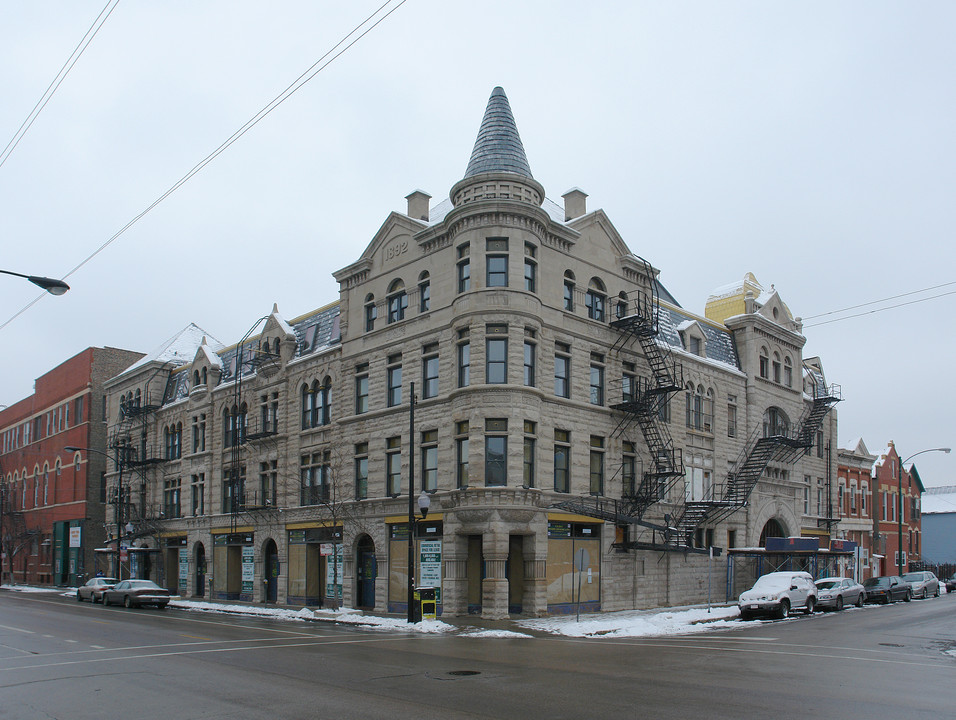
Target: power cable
{"type": "Point", "coordinates": [317, 67]}
{"type": "Point", "coordinates": [871, 312]}
{"type": "Point", "coordinates": [887, 299]}
{"type": "Point", "coordinates": [58, 79]}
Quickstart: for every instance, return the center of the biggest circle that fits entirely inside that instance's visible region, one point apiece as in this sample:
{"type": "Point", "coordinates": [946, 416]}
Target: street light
{"type": "Point", "coordinates": [54, 287]}
{"type": "Point", "coordinates": [899, 503]}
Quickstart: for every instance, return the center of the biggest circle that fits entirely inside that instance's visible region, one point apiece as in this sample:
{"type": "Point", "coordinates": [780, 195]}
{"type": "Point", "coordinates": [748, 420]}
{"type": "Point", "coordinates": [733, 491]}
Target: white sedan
{"type": "Point", "coordinates": [835, 592]}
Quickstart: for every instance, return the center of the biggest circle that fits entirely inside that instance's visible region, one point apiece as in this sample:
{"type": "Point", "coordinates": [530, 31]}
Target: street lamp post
{"type": "Point", "coordinates": [899, 504]}
{"type": "Point", "coordinates": [52, 286]}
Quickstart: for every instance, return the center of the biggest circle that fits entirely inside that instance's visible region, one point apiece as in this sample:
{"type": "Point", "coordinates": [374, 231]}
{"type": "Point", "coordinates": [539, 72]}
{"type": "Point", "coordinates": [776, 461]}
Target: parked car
{"type": "Point", "coordinates": [886, 589]}
{"type": "Point", "coordinates": [835, 592]}
{"type": "Point", "coordinates": [923, 583]}
{"type": "Point", "coordinates": [92, 589]}
{"type": "Point", "coordinates": [777, 593]}
{"type": "Point", "coordinates": [951, 584]}
{"type": "Point", "coordinates": [136, 593]}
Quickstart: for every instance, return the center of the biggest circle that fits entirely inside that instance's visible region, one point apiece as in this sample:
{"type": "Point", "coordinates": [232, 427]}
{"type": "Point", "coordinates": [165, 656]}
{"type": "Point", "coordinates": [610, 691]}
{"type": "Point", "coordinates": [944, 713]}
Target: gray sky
{"type": "Point", "coordinates": [809, 143]}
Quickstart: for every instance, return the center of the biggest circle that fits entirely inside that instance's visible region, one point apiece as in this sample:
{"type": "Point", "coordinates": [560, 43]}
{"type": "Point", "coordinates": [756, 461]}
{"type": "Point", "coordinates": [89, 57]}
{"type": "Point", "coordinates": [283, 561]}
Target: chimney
{"type": "Point", "coordinates": [418, 205]}
{"type": "Point", "coordinates": [575, 203]}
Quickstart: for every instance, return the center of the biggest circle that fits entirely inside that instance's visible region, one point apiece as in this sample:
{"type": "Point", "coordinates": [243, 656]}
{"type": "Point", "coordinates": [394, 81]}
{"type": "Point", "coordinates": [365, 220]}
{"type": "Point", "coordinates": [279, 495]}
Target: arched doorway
{"type": "Point", "coordinates": [199, 590]}
{"type": "Point", "coordinates": [271, 554]}
{"type": "Point", "coordinates": [366, 572]}
{"type": "Point", "coordinates": [773, 528]}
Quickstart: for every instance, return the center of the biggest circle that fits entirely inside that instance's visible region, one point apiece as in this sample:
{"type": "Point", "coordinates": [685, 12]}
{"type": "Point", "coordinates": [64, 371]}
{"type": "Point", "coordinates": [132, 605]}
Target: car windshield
{"type": "Point", "coordinates": [772, 582]}
{"type": "Point", "coordinates": [876, 582]}
{"type": "Point", "coordinates": [913, 577]}
{"type": "Point", "coordinates": [827, 584]}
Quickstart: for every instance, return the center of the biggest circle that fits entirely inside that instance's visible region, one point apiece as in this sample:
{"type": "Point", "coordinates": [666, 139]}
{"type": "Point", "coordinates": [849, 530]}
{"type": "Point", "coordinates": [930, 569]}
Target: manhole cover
{"type": "Point", "coordinates": [463, 672]}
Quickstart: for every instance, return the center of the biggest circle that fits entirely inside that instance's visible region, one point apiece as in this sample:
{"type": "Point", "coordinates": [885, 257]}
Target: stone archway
{"type": "Point", "coordinates": [772, 528]}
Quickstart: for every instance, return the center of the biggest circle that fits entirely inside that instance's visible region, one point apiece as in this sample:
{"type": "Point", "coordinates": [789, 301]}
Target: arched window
{"type": "Point", "coordinates": [695, 406]}
{"type": "Point", "coordinates": [308, 407]}
{"type": "Point", "coordinates": [424, 293]}
{"type": "Point", "coordinates": [776, 367]}
{"type": "Point", "coordinates": [137, 399]}
{"type": "Point", "coordinates": [709, 411]}
{"type": "Point", "coordinates": [317, 404]}
{"type": "Point", "coordinates": [325, 402]}
{"type": "Point", "coordinates": [195, 378]}
{"type": "Point", "coordinates": [595, 299]}
{"type": "Point", "coordinates": [775, 422]}
{"type": "Point", "coordinates": [204, 376]}
{"type": "Point", "coordinates": [370, 313]}
{"type": "Point", "coordinates": [569, 291]}
{"type": "Point", "coordinates": [773, 528]}
{"type": "Point", "coordinates": [764, 365]}
{"type": "Point", "coordinates": [787, 372]}
{"type": "Point", "coordinates": [397, 301]}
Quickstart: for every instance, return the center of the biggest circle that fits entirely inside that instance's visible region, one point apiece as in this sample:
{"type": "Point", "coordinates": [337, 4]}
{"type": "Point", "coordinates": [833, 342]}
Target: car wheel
{"type": "Point", "coordinates": [838, 605]}
{"type": "Point", "coordinates": [79, 598]}
{"type": "Point", "coordinates": [811, 602]}
{"type": "Point", "coordinates": [886, 599]}
{"type": "Point", "coordinates": [784, 610]}
{"type": "Point", "coordinates": [908, 597]}
{"type": "Point", "coordinates": [860, 600]}
{"type": "Point", "coordinates": [127, 602]}
{"type": "Point", "coordinates": [936, 594]}
{"type": "Point", "coordinates": [106, 600]}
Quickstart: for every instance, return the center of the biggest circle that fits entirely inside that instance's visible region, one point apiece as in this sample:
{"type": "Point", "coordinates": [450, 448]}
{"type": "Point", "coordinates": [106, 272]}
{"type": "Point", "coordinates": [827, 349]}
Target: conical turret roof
{"type": "Point", "coordinates": [498, 147]}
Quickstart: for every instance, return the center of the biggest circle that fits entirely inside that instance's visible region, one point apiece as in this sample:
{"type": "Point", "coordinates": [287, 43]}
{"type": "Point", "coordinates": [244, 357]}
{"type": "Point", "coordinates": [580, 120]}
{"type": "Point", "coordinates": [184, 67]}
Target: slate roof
{"type": "Point", "coordinates": [314, 332]}
{"type": "Point", "coordinates": [498, 147]}
{"type": "Point", "coordinates": [719, 346]}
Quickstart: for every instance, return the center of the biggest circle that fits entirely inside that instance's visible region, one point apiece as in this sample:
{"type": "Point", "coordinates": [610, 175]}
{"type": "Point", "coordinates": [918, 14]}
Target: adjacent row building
{"type": "Point", "coordinates": [580, 439]}
{"type": "Point", "coordinates": [52, 506]}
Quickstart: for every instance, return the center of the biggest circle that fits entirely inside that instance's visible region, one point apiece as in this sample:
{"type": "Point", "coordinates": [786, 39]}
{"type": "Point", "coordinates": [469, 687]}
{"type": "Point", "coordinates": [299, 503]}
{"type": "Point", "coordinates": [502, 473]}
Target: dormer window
{"type": "Point", "coordinates": [693, 345]}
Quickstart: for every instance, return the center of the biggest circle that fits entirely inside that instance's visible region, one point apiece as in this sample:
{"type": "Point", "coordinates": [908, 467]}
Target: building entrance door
{"type": "Point", "coordinates": [271, 553]}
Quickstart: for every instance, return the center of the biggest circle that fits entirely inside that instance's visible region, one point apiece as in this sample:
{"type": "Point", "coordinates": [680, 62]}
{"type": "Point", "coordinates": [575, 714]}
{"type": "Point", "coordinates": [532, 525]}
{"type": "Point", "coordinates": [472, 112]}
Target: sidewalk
{"type": "Point", "coordinates": [631, 623]}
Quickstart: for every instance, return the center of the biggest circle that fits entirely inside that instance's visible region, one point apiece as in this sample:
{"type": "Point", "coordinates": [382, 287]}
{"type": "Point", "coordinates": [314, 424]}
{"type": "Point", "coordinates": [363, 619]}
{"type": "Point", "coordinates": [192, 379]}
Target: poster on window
{"type": "Point", "coordinates": [248, 568]}
{"type": "Point", "coordinates": [183, 570]}
{"type": "Point", "coordinates": [333, 571]}
{"type": "Point", "coordinates": [430, 565]}
{"type": "Point", "coordinates": [75, 537]}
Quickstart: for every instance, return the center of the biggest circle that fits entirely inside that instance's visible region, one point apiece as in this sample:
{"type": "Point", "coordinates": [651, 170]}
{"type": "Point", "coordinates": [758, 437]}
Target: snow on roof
{"type": "Point", "coordinates": [179, 350]}
{"type": "Point", "coordinates": [938, 500]}
{"type": "Point", "coordinates": [211, 357]}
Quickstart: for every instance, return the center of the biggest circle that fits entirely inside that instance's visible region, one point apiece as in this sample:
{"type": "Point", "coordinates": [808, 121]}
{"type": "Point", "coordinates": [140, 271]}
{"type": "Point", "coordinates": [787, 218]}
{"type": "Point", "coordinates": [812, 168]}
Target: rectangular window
{"type": "Point", "coordinates": [530, 443]}
{"type": "Point", "coordinates": [361, 471]}
{"type": "Point", "coordinates": [315, 471]}
{"type": "Point", "coordinates": [199, 433]}
{"type": "Point", "coordinates": [393, 466]}
{"type": "Point", "coordinates": [430, 371]}
{"type": "Point", "coordinates": [569, 295]}
{"type": "Point", "coordinates": [233, 490]}
{"type": "Point", "coordinates": [731, 416]}
{"type": "Point", "coordinates": [629, 468]}
{"type": "Point", "coordinates": [597, 379]}
{"type": "Point", "coordinates": [529, 363]}
{"type": "Point", "coordinates": [496, 452]}
{"type": "Point", "coordinates": [371, 313]}
{"type": "Point", "coordinates": [78, 411]}
{"type": "Point", "coordinates": [562, 370]}
{"type": "Point", "coordinates": [562, 461]}
{"type": "Point", "coordinates": [397, 305]}
{"type": "Point", "coordinates": [268, 481]}
{"type": "Point", "coordinates": [394, 375]}
{"type": "Point", "coordinates": [464, 268]}
{"type": "Point", "coordinates": [863, 491]}
{"type": "Point", "coordinates": [819, 443]}
{"type": "Point", "coordinates": [628, 383]}
{"type": "Point", "coordinates": [361, 388]}
{"type": "Point", "coordinates": [199, 494]}
{"type": "Point", "coordinates": [853, 499]}
{"type": "Point", "coordinates": [429, 463]}
{"type": "Point", "coordinates": [171, 504]}
{"type": "Point", "coordinates": [594, 301]}
{"type": "Point", "coordinates": [461, 454]}
{"type": "Point", "coordinates": [530, 275]}
{"type": "Point", "coordinates": [496, 355]}
{"type": "Point", "coordinates": [464, 359]}
{"type": "Point", "coordinates": [497, 270]}
{"type": "Point", "coordinates": [597, 465]}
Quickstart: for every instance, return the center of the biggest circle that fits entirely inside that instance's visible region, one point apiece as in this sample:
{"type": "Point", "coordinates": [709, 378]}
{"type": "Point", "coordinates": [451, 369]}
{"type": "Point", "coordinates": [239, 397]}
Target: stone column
{"type": "Point", "coordinates": [494, 589]}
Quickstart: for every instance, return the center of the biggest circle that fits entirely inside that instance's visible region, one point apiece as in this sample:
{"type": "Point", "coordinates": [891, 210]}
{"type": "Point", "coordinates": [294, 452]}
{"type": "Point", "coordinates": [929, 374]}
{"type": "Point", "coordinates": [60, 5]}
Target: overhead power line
{"type": "Point", "coordinates": [356, 34]}
{"type": "Point", "coordinates": [876, 302]}
{"type": "Point", "coordinates": [58, 80]}
{"type": "Point", "coordinates": [877, 310]}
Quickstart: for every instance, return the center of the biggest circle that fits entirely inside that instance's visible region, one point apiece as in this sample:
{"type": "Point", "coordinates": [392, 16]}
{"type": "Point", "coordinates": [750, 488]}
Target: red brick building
{"type": "Point", "coordinates": [52, 502]}
{"type": "Point", "coordinates": [887, 502]}
{"type": "Point", "coordinates": [855, 505]}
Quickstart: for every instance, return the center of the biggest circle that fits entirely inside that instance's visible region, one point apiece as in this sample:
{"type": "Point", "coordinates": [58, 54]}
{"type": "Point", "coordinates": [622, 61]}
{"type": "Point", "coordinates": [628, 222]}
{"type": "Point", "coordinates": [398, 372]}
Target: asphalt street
{"type": "Point", "coordinates": [60, 659]}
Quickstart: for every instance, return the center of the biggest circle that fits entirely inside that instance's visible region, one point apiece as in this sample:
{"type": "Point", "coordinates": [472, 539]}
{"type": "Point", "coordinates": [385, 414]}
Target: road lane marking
{"type": "Point", "coordinates": [7, 627]}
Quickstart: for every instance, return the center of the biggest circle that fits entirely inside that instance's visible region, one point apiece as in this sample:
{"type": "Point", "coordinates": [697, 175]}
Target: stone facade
{"type": "Point", "coordinates": [476, 346]}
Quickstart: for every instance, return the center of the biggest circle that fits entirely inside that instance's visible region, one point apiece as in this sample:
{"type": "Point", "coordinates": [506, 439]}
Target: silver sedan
{"type": "Point", "coordinates": [835, 592]}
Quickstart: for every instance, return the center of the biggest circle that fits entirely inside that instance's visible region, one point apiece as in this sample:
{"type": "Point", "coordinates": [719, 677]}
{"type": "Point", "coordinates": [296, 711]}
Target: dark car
{"type": "Point", "coordinates": [886, 589]}
{"type": "Point", "coordinates": [951, 584]}
{"type": "Point", "coordinates": [136, 593]}
{"type": "Point", "coordinates": [93, 589]}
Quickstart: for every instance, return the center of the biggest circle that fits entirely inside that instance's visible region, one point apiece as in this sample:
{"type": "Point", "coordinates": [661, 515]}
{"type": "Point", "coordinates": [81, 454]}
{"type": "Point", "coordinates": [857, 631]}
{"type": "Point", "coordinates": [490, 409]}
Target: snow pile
{"type": "Point", "coordinates": [641, 623]}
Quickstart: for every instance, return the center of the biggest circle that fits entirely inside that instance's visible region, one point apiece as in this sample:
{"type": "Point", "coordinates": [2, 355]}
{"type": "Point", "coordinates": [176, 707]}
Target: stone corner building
{"type": "Point", "coordinates": [532, 375]}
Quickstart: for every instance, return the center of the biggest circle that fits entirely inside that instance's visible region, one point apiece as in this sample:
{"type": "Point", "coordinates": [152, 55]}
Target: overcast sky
{"type": "Point", "coordinates": [810, 143]}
